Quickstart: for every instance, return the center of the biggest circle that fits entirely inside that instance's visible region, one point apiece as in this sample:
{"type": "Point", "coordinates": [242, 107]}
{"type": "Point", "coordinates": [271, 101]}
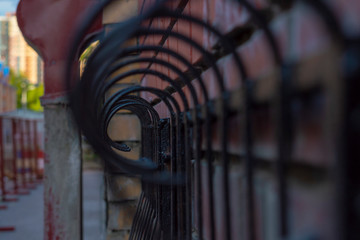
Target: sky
{"type": "Point", "coordinates": [7, 6]}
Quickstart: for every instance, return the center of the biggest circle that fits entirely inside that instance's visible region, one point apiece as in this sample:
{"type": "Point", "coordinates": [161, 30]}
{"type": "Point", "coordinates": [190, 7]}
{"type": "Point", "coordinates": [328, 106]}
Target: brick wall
{"type": "Point", "coordinates": [122, 192]}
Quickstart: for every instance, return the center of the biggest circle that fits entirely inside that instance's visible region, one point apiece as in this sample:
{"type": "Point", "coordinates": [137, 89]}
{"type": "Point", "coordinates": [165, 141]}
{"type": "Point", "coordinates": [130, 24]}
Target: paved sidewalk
{"type": "Point", "coordinates": [93, 205]}
{"type": "Point", "coordinates": [27, 215]}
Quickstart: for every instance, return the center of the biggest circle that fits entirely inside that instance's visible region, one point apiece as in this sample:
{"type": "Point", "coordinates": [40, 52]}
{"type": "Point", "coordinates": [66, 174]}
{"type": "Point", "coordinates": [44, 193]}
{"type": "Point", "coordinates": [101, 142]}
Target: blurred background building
{"type": "Point", "coordinates": [24, 67]}
{"type": "Point", "coordinates": [22, 58]}
{"type": "Point", "coordinates": [4, 40]}
{"type": "Point", "coordinates": [7, 92]}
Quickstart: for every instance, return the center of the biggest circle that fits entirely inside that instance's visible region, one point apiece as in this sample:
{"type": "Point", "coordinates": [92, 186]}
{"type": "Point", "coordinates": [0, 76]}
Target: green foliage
{"type": "Point", "coordinates": [33, 98]}
{"type": "Point", "coordinates": [88, 51]}
{"type": "Point", "coordinates": [32, 92]}
{"type": "Point", "coordinates": [20, 82]}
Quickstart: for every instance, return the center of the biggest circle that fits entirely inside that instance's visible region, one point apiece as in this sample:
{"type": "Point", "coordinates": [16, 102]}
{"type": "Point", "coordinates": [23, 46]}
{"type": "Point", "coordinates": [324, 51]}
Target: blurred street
{"type": "Point", "coordinates": [27, 214]}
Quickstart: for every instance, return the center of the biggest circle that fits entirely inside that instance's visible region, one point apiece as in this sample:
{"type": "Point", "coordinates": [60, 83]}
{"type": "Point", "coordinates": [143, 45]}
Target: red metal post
{"type": "Point", "coordinates": [36, 150]}
{"type": "Point", "coordinates": [33, 149]}
{"type": "Point", "coordinates": [29, 152]}
{"type": "Point", "coordinates": [2, 179]}
{"type": "Point", "coordinates": [22, 151]}
{"type": "Point", "coordinates": [15, 187]}
{"type": "Point", "coordinates": [15, 132]}
{"type": "Point", "coordinates": [2, 170]}
{"type": "Point", "coordinates": [14, 148]}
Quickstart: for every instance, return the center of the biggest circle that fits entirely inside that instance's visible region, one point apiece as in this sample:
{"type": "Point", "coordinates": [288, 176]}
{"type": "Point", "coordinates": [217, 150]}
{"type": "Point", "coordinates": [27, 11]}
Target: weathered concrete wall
{"type": "Point", "coordinates": [62, 174]}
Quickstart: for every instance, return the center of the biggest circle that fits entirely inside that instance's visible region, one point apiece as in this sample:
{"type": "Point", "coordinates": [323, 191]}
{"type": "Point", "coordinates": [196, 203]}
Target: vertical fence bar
{"type": "Point", "coordinates": [349, 152]}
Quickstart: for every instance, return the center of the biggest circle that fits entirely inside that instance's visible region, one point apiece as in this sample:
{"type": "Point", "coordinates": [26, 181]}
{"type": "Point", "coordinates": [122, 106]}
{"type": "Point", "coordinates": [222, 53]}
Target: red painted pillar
{"type": "Point", "coordinates": [18, 164]}
{"type": "Point", "coordinates": [49, 25]}
{"type": "Point", "coordinates": [13, 163]}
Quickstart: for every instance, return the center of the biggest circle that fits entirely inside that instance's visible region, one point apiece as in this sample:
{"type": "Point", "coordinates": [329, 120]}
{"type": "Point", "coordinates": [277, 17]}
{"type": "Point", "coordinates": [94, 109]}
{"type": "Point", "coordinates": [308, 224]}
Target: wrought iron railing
{"type": "Point", "coordinates": [174, 148]}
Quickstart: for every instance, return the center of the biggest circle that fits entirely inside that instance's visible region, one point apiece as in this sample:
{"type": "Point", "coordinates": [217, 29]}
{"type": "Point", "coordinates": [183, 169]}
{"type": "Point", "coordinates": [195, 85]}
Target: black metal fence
{"type": "Point", "coordinates": [171, 204]}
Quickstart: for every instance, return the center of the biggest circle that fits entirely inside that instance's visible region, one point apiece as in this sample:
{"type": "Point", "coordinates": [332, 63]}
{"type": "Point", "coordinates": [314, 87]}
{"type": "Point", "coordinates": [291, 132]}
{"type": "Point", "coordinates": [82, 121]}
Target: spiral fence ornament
{"type": "Point", "coordinates": [175, 147]}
